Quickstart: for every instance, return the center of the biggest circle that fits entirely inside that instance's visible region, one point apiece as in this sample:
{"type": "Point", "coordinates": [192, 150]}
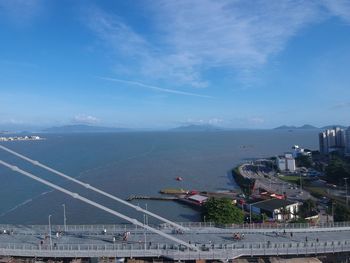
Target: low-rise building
{"type": "Point", "coordinates": [298, 151]}
{"type": "Point", "coordinates": [198, 199]}
{"type": "Point", "coordinates": [277, 209]}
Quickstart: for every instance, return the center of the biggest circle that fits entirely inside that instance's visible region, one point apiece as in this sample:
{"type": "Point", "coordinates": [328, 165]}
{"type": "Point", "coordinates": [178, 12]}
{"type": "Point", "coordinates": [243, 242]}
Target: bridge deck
{"type": "Point", "coordinates": [212, 242]}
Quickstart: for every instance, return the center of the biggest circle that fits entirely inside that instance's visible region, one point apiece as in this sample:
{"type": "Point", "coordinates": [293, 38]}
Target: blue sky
{"type": "Point", "coordinates": [159, 64]}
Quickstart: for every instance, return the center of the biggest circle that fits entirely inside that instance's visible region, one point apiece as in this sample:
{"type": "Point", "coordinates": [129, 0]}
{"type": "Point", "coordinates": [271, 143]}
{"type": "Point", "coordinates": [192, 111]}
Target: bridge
{"type": "Point", "coordinates": [172, 240]}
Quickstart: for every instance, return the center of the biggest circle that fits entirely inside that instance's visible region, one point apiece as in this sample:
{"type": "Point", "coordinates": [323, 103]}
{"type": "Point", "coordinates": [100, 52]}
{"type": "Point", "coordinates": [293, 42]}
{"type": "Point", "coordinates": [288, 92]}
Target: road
{"type": "Point", "coordinates": [266, 179]}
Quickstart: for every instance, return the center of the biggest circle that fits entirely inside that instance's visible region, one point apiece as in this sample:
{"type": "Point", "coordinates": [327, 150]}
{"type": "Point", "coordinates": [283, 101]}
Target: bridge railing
{"type": "Point", "coordinates": [262, 225]}
{"type": "Point", "coordinates": [244, 248]}
{"type": "Point", "coordinates": [98, 229]}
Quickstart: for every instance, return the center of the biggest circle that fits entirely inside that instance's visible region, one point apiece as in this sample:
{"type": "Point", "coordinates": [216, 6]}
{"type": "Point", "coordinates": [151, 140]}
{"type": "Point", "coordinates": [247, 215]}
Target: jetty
{"type": "Point", "coordinates": [145, 197]}
{"type": "Point", "coordinates": [174, 191]}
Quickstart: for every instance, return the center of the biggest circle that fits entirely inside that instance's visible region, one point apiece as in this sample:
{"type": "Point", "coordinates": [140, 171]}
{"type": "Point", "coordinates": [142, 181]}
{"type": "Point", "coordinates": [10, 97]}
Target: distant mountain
{"type": "Point", "coordinates": [196, 128]}
{"type": "Point", "coordinates": [81, 128]}
{"type": "Point", "coordinates": [307, 127]}
{"type": "Point", "coordinates": [304, 127]}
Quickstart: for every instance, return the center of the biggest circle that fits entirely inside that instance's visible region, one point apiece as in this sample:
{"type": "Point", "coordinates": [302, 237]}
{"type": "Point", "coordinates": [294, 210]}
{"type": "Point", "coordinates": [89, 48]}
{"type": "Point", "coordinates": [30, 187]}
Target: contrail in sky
{"type": "Point", "coordinates": [135, 83]}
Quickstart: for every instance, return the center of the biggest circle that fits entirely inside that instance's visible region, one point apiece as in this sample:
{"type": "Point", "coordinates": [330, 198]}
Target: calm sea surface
{"type": "Point", "coordinates": [125, 164]}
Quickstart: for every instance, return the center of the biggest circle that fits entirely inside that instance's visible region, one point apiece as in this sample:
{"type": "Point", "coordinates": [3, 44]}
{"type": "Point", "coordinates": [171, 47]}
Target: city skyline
{"type": "Point", "coordinates": [162, 64]}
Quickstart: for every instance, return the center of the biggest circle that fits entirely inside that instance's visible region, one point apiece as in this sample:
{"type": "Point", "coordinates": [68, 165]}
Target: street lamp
{"type": "Point", "coordinates": [50, 232]}
{"type": "Point", "coordinates": [144, 231]}
{"type": "Point", "coordinates": [64, 218]}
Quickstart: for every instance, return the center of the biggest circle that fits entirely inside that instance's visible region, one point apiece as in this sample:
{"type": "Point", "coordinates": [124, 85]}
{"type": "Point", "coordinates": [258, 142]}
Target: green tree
{"type": "Point", "coordinates": [341, 213]}
{"type": "Point", "coordinates": [222, 211]}
{"type": "Point", "coordinates": [308, 208]}
{"type": "Point", "coordinates": [304, 161]}
{"type": "Point", "coordinates": [337, 170]}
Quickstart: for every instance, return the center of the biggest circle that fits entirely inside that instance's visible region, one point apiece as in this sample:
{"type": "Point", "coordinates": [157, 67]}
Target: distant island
{"type": "Point", "coordinates": [81, 128]}
{"type": "Point", "coordinates": [307, 127]}
{"type": "Point", "coordinates": [197, 128]}
{"type": "Point", "coordinates": [304, 127]}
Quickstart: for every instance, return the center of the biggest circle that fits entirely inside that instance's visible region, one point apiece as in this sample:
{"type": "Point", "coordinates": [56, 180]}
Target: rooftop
{"type": "Point", "coordinates": [198, 198]}
{"type": "Point", "coordinates": [272, 204]}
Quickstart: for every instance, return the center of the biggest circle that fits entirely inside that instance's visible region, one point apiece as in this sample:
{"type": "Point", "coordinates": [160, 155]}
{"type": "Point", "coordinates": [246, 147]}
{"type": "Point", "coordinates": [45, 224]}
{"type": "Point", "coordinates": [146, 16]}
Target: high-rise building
{"type": "Point", "coordinates": [347, 141]}
{"type": "Point", "coordinates": [332, 140]}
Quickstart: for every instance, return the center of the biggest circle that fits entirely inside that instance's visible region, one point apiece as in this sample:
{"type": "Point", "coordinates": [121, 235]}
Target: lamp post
{"type": "Point", "coordinates": [50, 232]}
{"type": "Point", "coordinates": [144, 231]}
{"type": "Point", "coordinates": [64, 218]}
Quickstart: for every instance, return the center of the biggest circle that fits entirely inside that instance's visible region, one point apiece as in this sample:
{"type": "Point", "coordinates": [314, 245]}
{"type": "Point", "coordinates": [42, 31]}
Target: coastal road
{"type": "Point", "coordinates": [266, 179]}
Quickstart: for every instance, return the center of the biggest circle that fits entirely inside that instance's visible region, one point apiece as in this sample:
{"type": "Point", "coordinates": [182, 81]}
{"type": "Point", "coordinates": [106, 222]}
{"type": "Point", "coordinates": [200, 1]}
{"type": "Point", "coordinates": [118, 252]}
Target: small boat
{"type": "Point", "coordinates": [179, 178]}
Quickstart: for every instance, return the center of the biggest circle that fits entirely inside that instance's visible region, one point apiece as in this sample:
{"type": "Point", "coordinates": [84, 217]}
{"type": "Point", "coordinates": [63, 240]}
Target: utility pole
{"type": "Point", "coordinates": [64, 218]}
{"type": "Point", "coordinates": [346, 189]}
{"type": "Point", "coordinates": [50, 232]}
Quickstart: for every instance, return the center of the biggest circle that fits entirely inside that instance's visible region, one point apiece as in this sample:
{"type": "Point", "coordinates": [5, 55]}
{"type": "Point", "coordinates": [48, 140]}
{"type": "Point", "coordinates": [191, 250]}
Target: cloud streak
{"type": "Point", "coordinates": [155, 88]}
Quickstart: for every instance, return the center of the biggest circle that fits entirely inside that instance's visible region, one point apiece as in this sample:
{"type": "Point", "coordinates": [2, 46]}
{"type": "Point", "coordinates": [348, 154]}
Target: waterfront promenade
{"type": "Point", "coordinates": [210, 242]}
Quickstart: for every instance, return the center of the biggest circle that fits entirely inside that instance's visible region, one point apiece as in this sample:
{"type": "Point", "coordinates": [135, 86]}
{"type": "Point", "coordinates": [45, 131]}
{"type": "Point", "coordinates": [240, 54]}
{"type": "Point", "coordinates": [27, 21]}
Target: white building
{"type": "Point", "coordinates": [286, 163]}
{"type": "Point", "coordinates": [281, 163]}
{"type": "Point", "coordinates": [291, 166]}
{"type": "Point", "coordinates": [277, 209]}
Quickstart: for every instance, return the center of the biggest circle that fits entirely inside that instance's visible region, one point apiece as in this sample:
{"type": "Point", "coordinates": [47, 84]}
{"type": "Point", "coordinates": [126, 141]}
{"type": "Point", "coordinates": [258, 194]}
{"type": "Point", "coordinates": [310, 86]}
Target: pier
{"type": "Point", "coordinates": [157, 198]}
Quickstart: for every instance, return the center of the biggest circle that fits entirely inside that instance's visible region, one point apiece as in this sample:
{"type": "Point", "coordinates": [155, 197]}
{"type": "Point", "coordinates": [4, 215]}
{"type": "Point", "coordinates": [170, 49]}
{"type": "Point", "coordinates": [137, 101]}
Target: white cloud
{"type": "Point", "coordinates": [21, 11]}
{"type": "Point", "coordinates": [339, 8]}
{"type": "Point", "coordinates": [211, 121]}
{"type": "Point", "coordinates": [195, 36]}
{"type": "Point", "coordinates": [256, 120]}
{"type": "Point", "coordinates": [12, 121]}
{"type": "Point", "coordinates": [341, 105]}
{"type": "Point", "coordinates": [85, 119]}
